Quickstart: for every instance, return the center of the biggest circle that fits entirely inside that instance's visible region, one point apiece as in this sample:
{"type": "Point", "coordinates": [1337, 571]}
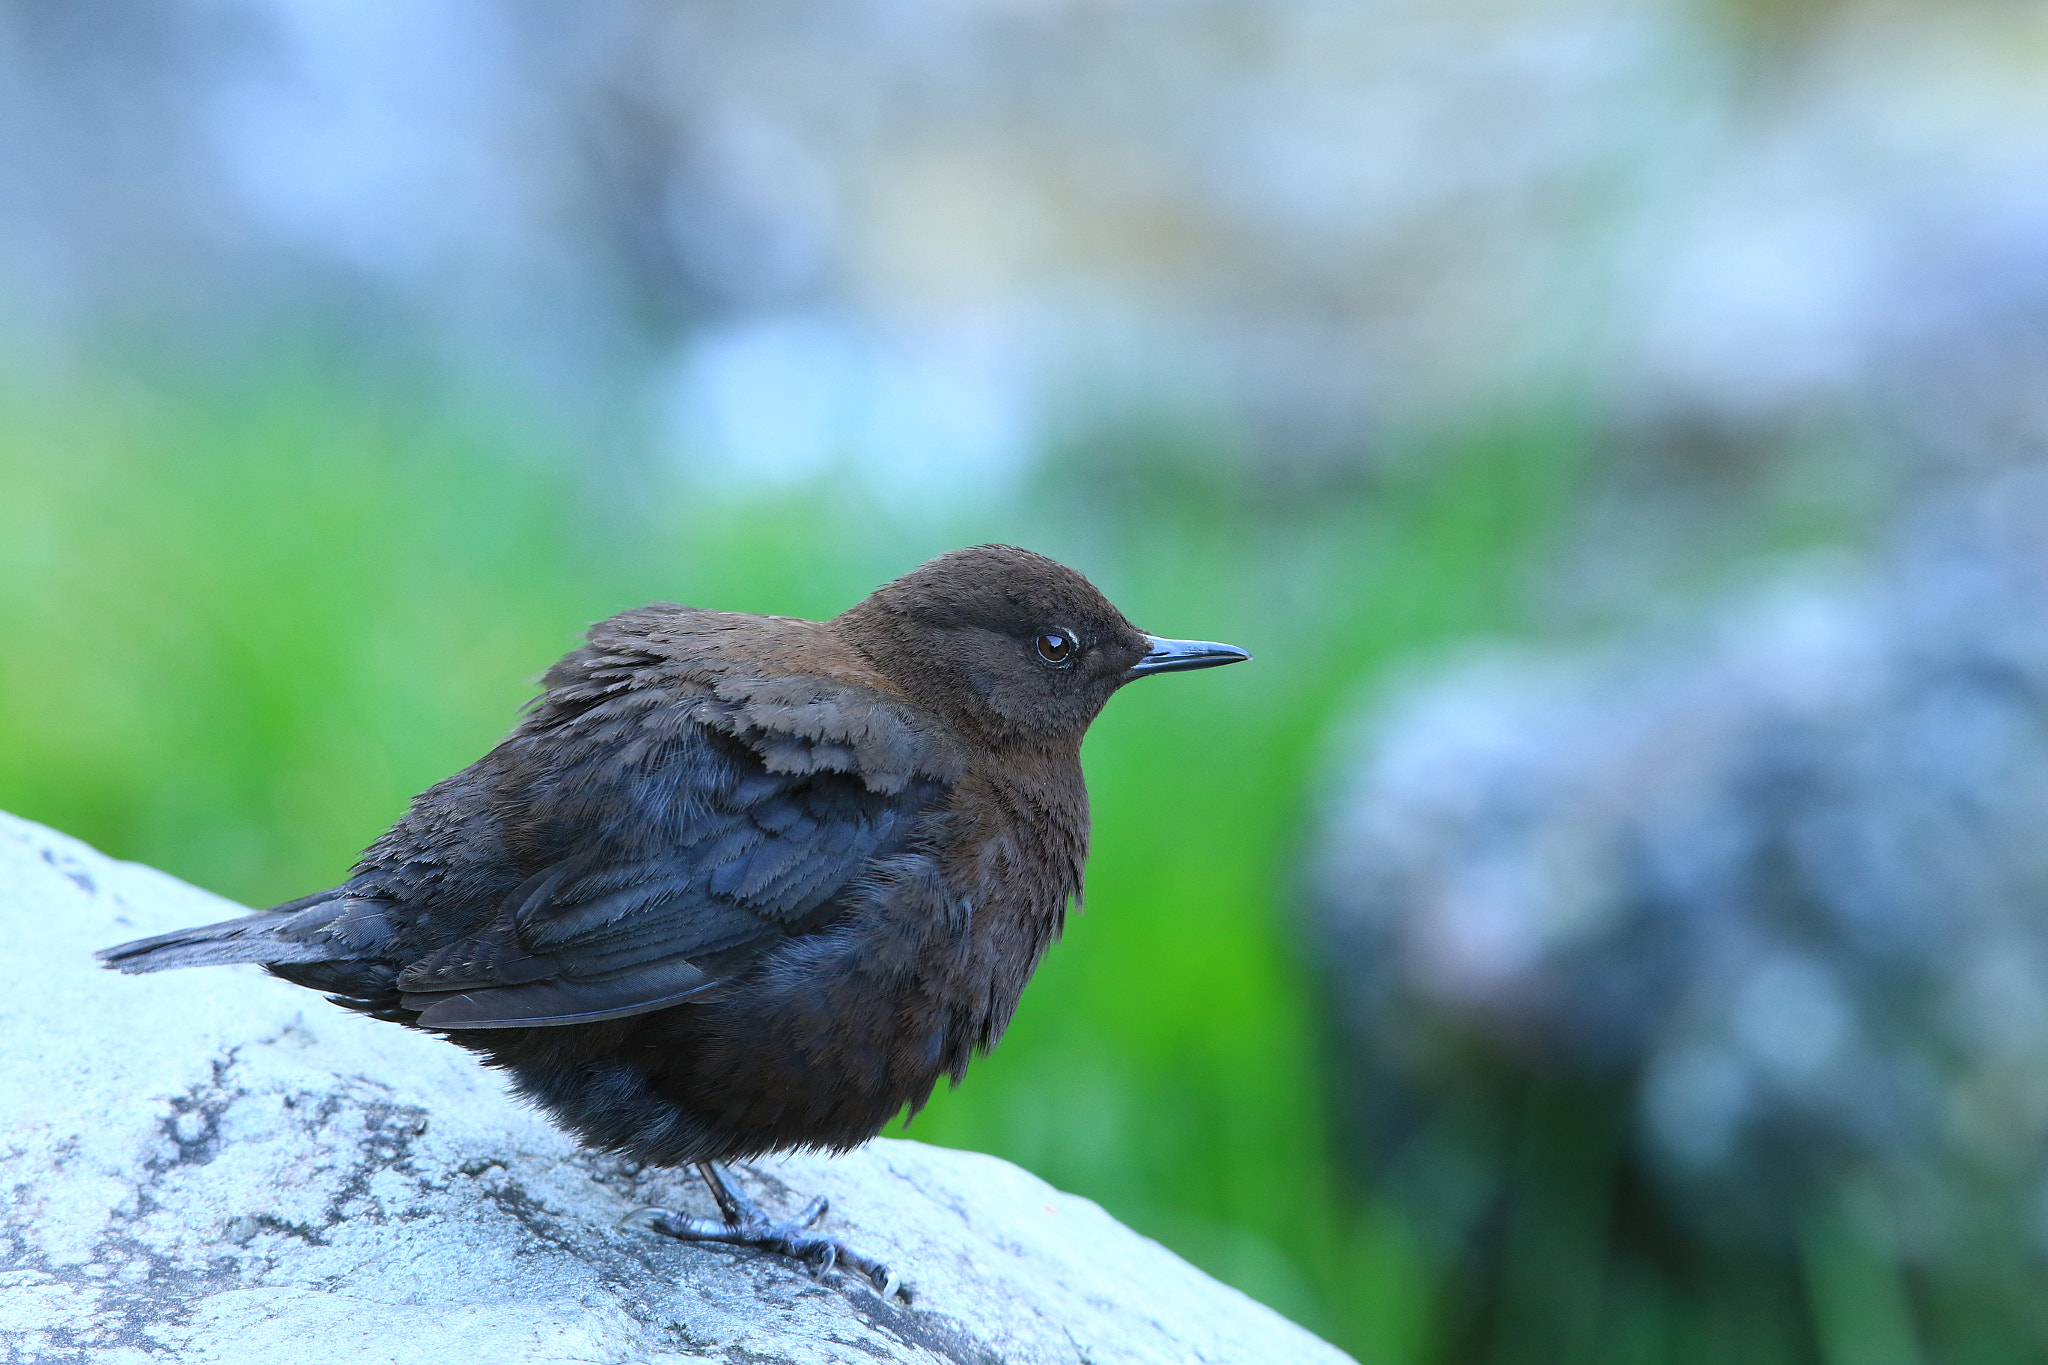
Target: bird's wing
{"type": "Point", "coordinates": [676, 839]}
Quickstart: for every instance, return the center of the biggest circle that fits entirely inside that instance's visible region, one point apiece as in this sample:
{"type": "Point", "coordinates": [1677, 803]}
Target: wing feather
{"type": "Point", "coordinates": [671, 862]}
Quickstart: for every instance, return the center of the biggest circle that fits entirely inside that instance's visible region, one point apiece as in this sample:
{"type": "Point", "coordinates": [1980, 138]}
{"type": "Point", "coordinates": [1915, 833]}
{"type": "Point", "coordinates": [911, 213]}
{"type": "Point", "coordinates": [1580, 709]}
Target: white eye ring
{"type": "Point", "coordinates": [1057, 647]}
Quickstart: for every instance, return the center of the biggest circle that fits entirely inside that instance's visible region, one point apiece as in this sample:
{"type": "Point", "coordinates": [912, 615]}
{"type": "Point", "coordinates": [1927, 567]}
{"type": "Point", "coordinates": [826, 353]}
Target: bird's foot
{"type": "Point", "coordinates": [745, 1223]}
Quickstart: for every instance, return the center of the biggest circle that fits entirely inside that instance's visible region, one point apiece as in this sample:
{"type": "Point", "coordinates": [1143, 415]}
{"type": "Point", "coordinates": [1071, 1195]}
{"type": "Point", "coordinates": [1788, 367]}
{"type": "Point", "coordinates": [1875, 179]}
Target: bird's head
{"type": "Point", "coordinates": [1008, 642]}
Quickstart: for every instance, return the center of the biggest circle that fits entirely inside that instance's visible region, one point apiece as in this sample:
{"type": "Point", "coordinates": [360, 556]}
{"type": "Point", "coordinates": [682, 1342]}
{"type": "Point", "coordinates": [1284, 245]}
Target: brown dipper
{"type": "Point", "coordinates": [737, 884]}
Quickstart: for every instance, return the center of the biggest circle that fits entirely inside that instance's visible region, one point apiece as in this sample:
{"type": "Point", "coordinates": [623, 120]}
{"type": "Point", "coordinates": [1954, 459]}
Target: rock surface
{"type": "Point", "coordinates": [216, 1166]}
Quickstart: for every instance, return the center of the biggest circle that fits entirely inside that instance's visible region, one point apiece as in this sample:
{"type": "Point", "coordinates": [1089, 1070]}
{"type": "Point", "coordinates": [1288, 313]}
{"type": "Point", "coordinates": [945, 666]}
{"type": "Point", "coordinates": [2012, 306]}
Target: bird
{"type": "Point", "coordinates": [738, 884]}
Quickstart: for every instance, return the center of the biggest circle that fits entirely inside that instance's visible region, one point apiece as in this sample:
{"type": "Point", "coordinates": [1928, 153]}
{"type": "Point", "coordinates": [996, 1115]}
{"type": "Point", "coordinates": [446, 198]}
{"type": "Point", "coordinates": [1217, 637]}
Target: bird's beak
{"type": "Point", "coordinates": [1173, 656]}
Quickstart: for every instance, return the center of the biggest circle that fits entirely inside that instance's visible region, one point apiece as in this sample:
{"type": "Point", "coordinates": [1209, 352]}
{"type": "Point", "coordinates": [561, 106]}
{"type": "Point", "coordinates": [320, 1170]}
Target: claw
{"type": "Point", "coordinates": [649, 1218]}
{"type": "Point", "coordinates": [743, 1223]}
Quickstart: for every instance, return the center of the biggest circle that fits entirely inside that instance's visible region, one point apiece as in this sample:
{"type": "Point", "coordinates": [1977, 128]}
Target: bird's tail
{"type": "Point", "coordinates": [252, 938]}
{"type": "Point", "coordinates": [320, 928]}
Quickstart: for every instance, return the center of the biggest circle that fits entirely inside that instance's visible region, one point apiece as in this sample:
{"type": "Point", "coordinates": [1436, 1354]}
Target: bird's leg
{"type": "Point", "coordinates": [745, 1223]}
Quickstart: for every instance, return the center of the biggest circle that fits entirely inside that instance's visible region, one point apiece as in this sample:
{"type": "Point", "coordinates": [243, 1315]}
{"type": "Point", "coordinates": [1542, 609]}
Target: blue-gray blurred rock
{"type": "Point", "coordinates": [1771, 887]}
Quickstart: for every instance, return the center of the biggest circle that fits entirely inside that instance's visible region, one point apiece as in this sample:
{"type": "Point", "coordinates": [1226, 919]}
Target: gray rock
{"type": "Point", "coordinates": [215, 1166]}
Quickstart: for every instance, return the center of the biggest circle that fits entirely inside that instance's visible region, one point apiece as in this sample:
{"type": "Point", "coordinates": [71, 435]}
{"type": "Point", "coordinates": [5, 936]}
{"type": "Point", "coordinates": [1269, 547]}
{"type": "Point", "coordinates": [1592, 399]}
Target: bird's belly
{"type": "Point", "coordinates": [828, 1044]}
{"type": "Point", "coordinates": [731, 1080]}
{"type": "Point", "coordinates": [827, 1071]}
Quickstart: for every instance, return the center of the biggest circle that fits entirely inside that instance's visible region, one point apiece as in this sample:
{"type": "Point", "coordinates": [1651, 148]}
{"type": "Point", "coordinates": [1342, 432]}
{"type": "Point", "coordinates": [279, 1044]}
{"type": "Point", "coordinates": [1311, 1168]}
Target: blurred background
{"type": "Point", "coordinates": [1609, 922]}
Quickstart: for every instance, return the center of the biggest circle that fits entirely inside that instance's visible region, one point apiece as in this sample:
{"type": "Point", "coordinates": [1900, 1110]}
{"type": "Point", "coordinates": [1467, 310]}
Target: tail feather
{"type": "Point", "coordinates": [332, 926]}
{"type": "Point", "coordinates": [252, 938]}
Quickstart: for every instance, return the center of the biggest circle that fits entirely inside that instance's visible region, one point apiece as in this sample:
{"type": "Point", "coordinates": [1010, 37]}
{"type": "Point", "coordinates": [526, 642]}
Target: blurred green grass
{"type": "Point", "coordinates": [248, 620]}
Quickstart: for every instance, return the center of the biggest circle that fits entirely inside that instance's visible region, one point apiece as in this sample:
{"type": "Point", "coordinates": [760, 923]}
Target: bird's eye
{"type": "Point", "coordinates": [1055, 647]}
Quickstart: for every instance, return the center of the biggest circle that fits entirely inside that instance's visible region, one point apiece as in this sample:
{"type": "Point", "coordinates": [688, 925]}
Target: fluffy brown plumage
{"type": "Point", "coordinates": [741, 883]}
